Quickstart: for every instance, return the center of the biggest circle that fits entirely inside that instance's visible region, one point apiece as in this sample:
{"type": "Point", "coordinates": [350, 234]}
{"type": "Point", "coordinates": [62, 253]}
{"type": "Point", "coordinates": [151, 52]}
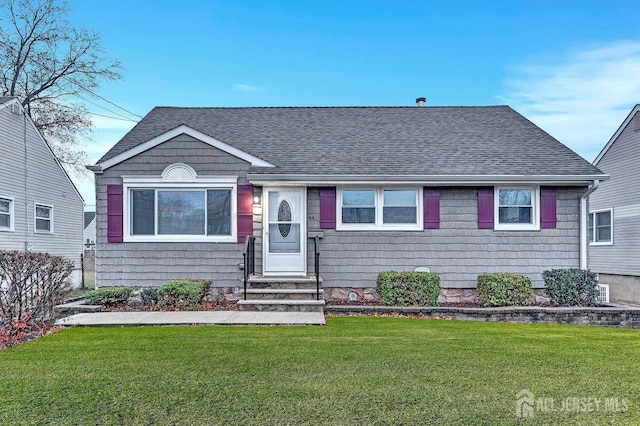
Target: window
{"type": "Point", "coordinates": [44, 219]}
{"type": "Point", "coordinates": [379, 208]}
{"type": "Point", "coordinates": [517, 208]}
{"type": "Point", "coordinates": [6, 214]}
{"type": "Point", "coordinates": [601, 227]}
{"type": "Point", "coordinates": [183, 214]}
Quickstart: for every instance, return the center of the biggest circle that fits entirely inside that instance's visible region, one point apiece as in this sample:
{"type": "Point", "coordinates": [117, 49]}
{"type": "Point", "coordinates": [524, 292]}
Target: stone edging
{"type": "Point", "coordinates": [612, 316]}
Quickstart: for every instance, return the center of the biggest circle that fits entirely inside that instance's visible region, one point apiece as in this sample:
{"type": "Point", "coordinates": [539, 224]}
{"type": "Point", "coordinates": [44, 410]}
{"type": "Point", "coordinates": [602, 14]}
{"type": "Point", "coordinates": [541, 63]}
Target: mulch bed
{"type": "Point", "coordinates": [204, 306]}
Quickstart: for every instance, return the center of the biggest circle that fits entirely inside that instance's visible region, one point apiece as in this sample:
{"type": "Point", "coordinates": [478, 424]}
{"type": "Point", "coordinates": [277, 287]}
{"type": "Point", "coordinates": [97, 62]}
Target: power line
{"type": "Point", "coordinates": [103, 98]}
{"type": "Point", "coordinates": [113, 118]}
{"type": "Point", "coordinates": [104, 108]}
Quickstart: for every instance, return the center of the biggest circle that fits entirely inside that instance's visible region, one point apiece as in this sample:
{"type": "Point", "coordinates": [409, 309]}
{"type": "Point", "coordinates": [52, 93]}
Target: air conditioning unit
{"type": "Point", "coordinates": [603, 293]}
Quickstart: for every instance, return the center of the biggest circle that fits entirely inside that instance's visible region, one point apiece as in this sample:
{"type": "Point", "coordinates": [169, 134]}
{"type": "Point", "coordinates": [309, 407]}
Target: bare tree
{"type": "Point", "coordinates": [50, 66]}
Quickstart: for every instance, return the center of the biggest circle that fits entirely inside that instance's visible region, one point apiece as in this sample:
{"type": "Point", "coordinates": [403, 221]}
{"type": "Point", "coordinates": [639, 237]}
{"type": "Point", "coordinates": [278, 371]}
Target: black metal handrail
{"type": "Point", "coordinates": [316, 252]}
{"type": "Point", "coordinates": [249, 257]}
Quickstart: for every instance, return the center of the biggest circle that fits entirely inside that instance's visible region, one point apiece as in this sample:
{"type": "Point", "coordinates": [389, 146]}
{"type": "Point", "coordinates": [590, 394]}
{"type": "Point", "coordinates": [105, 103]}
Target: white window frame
{"type": "Point", "coordinates": [35, 218]}
{"type": "Point", "coordinates": [378, 225]}
{"type": "Point", "coordinates": [10, 228]}
{"type": "Point", "coordinates": [201, 184]}
{"type": "Point", "coordinates": [535, 210]}
{"type": "Point", "coordinates": [592, 241]}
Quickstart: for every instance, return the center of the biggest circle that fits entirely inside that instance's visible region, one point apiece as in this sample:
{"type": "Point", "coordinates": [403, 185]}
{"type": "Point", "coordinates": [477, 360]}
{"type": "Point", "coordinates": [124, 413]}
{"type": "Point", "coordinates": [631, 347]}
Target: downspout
{"type": "Point", "coordinates": [27, 246]}
{"type": "Point", "coordinates": [584, 231]}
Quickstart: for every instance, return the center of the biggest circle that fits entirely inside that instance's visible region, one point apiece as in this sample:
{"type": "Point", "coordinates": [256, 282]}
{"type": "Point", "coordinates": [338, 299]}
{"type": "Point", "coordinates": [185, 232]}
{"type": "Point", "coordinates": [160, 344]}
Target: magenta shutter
{"type": "Point", "coordinates": [485, 208]}
{"type": "Point", "coordinates": [114, 213]}
{"type": "Point", "coordinates": [327, 208]}
{"type": "Point", "coordinates": [548, 207]}
{"type": "Point", "coordinates": [245, 212]}
{"type": "Point", "coordinates": [431, 208]}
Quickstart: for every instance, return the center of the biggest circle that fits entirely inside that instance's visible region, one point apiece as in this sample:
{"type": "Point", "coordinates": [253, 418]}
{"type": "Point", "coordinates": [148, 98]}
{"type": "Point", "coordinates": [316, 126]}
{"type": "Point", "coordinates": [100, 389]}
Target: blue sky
{"type": "Point", "coordinates": [572, 67]}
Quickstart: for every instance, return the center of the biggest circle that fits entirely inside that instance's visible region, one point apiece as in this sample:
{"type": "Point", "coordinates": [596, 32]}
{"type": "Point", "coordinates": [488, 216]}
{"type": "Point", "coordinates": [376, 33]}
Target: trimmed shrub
{"type": "Point", "coordinates": [571, 287]}
{"type": "Point", "coordinates": [408, 288]}
{"type": "Point", "coordinates": [504, 289]}
{"type": "Point", "coordinates": [148, 296]}
{"type": "Point", "coordinates": [109, 296]}
{"type": "Point", "coordinates": [183, 293]}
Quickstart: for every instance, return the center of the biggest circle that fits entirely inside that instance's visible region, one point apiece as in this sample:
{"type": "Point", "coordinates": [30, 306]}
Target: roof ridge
{"type": "Point", "coordinates": [335, 107]}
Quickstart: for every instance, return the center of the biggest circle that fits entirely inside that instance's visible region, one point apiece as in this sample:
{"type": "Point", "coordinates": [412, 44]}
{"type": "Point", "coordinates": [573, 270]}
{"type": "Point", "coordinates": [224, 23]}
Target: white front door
{"type": "Point", "coordinates": [285, 230]}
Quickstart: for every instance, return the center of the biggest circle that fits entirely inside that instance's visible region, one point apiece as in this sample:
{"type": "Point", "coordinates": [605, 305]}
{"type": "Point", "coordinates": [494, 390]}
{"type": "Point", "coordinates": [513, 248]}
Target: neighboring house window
{"type": "Point", "coordinates": [44, 219]}
{"type": "Point", "coordinates": [601, 227]}
{"type": "Point", "coordinates": [379, 208]}
{"type": "Point", "coordinates": [6, 214]}
{"type": "Point", "coordinates": [517, 208]}
{"type": "Point", "coordinates": [182, 214]}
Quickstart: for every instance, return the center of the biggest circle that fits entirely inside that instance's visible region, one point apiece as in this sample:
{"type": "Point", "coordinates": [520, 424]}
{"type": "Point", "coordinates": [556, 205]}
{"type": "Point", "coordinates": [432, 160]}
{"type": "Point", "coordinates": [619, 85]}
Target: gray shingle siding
{"type": "Point", "coordinates": [621, 163]}
{"type": "Point", "coordinates": [141, 264]}
{"type": "Point", "coordinates": [42, 181]}
{"type": "Point", "coordinates": [458, 251]}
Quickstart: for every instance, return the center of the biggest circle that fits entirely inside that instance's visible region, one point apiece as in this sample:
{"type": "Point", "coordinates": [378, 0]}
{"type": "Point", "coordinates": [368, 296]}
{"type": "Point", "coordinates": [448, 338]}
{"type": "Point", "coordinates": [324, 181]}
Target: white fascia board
{"type": "Point", "coordinates": [126, 179]}
{"type": "Point", "coordinates": [183, 129]}
{"type": "Point", "coordinates": [11, 102]}
{"type": "Point", "coordinates": [434, 180]}
{"type": "Point", "coordinates": [624, 124]}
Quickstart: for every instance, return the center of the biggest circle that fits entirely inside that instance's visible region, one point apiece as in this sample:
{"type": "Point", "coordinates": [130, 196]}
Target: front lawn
{"type": "Point", "coordinates": [356, 370]}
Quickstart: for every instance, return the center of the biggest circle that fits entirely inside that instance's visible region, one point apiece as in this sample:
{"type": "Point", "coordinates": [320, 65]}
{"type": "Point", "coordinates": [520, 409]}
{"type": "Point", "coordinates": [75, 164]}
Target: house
{"type": "Point", "coordinates": [614, 214]}
{"type": "Point", "coordinates": [40, 208]}
{"type": "Point", "coordinates": [459, 190]}
{"type": "Point", "coordinates": [89, 234]}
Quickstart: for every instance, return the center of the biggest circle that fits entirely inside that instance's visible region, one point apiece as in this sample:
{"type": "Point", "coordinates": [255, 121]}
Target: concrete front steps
{"type": "Point", "coordinates": [282, 294]}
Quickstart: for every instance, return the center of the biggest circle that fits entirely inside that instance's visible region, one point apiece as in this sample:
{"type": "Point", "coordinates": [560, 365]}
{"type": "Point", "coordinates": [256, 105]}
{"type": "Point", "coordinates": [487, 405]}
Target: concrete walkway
{"type": "Point", "coordinates": [192, 317]}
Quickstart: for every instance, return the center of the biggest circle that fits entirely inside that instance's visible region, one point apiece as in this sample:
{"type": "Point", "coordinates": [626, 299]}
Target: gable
{"type": "Point", "coordinates": [183, 130]}
{"type": "Point", "coordinates": [633, 120]}
{"type": "Point", "coordinates": [42, 163]}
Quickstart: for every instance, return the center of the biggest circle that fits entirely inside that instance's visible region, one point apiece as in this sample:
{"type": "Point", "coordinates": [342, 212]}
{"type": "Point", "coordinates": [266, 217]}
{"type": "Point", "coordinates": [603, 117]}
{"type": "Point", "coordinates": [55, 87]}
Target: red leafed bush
{"type": "Point", "coordinates": [31, 284]}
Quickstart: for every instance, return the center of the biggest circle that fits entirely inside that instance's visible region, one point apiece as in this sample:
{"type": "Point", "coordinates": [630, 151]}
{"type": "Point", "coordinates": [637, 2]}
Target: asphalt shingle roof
{"type": "Point", "coordinates": [375, 140]}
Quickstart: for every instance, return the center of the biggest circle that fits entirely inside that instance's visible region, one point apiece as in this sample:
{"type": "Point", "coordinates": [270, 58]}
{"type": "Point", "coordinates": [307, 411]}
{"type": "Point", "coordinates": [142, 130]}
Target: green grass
{"type": "Point", "coordinates": [356, 370]}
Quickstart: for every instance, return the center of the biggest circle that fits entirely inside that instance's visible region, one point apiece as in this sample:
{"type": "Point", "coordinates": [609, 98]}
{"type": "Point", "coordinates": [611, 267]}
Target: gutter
{"type": "Point", "coordinates": [260, 179]}
{"type": "Point", "coordinates": [584, 215]}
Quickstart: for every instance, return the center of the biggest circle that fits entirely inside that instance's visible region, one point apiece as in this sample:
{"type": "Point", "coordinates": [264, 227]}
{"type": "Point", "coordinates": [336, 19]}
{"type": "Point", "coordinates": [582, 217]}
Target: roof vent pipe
{"type": "Point", "coordinates": [421, 101]}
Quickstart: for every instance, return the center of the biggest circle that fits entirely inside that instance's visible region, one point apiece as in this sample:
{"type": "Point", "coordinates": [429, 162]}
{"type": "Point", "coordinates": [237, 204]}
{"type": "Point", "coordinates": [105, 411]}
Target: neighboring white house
{"type": "Point", "coordinates": [89, 235]}
{"type": "Point", "coordinates": [40, 208]}
{"type": "Point", "coordinates": [614, 231]}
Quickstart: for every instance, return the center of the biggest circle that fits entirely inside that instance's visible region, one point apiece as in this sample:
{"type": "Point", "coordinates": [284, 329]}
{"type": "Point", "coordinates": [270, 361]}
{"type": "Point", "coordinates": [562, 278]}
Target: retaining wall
{"type": "Point", "coordinates": [603, 316]}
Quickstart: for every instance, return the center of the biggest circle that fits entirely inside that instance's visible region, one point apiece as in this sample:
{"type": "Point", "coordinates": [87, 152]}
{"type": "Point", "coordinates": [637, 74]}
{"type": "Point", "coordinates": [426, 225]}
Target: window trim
{"type": "Point", "coordinates": [201, 184]}
{"type": "Point", "coordinates": [592, 241]}
{"type": "Point", "coordinates": [535, 210]}
{"type": "Point", "coordinates": [11, 226]}
{"type": "Point", "coordinates": [35, 218]}
{"type": "Point", "coordinates": [378, 225]}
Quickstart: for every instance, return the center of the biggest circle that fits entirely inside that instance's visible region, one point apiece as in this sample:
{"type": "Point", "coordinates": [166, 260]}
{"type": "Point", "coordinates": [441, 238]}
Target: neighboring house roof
{"type": "Point", "coordinates": [624, 124]}
{"type": "Point", "coordinates": [380, 141]}
{"type": "Point", "coordinates": [88, 217]}
{"type": "Point", "coordinates": [4, 99]}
